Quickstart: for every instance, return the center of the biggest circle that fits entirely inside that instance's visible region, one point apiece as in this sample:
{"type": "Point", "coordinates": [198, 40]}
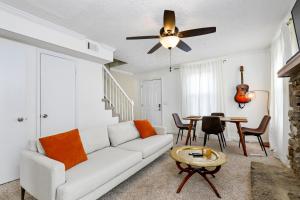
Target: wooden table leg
{"type": "Point", "coordinates": [242, 141]}
{"type": "Point", "coordinates": [194, 131]}
{"type": "Point", "coordinates": [211, 185]}
{"type": "Point", "coordinates": [190, 174]}
{"type": "Point", "coordinates": [202, 171]}
{"type": "Point", "coordinates": [189, 132]}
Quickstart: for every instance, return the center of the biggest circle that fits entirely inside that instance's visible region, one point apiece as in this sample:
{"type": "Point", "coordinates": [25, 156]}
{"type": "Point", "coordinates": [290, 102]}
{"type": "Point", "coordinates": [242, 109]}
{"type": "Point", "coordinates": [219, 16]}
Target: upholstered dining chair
{"type": "Point", "coordinates": [258, 131]}
{"type": "Point", "coordinates": [182, 127]}
{"type": "Point", "coordinates": [223, 125]}
{"type": "Point", "coordinates": [212, 125]}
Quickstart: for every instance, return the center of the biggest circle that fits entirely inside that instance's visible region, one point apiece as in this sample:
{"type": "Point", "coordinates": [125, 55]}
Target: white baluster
{"type": "Point", "coordinates": [103, 79]}
{"type": "Point", "coordinates": [127, 116]}
{"type": "Point", "coordinates": [118, 98]}
{"type": "Point", "coordinates": [121, 114]}
{"type": "Point", "coordinates": [106, 85]}
{"type": "Point", "coordinates": [113, 93]}
{"type": "Point", "coordinates": [132, 114]}
{"type": "Point", "coordinates": [115, 96]}
{"type": "Point", "coordinates": [120, 102]}
{"type": "Point", "coordinates": [109, 88]}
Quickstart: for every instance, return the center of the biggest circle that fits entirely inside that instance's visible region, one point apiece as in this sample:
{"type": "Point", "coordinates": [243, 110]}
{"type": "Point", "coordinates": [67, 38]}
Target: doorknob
{"type": "Point", "coordinates": [20, 119]}
{"type": "Point", "coordinates": [44, 116]}
{"type": "Point", "coordinates": [159, 107]}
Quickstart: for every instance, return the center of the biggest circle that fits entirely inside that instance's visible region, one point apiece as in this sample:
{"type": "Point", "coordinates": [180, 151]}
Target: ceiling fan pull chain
{"type": "Point", "coordinates": [170, 60]}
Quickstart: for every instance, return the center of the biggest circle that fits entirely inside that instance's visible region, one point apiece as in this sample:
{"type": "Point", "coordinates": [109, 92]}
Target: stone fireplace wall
{"type": "Point", "coordinates": [294, 117]}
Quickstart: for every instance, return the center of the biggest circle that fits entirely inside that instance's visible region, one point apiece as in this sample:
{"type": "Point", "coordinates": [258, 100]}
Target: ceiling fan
{"type": "Point", "coordinates": [170, 36]}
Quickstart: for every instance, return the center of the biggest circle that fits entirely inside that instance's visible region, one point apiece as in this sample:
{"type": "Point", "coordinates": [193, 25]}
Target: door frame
{"type": "Point", "coordinates": [39, 53]}
{"type": "Point", "coordinates": [161, 96]}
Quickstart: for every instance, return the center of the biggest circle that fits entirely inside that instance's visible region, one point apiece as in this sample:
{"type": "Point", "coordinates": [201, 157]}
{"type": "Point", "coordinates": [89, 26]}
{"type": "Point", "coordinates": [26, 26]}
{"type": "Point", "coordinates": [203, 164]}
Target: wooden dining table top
{"type": "Point", "coordinates": [225, 119]}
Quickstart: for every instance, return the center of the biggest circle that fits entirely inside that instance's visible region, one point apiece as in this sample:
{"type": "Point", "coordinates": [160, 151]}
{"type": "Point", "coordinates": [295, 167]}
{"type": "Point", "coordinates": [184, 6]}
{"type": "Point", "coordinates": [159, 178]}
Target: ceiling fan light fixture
{"type": "Point", "coordinates": [169, 41]}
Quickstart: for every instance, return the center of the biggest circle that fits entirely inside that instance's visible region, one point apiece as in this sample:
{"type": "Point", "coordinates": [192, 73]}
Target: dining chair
{"type": "Point", "coordinates": [181, 126]}
{"type": "Point", "coordinates": [212, 125]}
{"type": "Point", "coordinates": [258, 131]}
{"type": "Point", "coordinates": [223, 125]}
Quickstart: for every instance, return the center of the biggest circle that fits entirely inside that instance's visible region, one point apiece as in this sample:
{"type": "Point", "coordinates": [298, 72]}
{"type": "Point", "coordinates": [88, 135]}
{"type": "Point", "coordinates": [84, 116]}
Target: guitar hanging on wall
{"type": "Point", "coordinates": [242, 89]}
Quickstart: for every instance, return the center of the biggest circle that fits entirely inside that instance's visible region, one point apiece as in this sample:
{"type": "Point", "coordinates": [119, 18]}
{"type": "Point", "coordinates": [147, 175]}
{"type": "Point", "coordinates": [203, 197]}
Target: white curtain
{"type": "Point", "coordinates": [282, 48]}
{"type": "Point", "coordinates": [202, 91]}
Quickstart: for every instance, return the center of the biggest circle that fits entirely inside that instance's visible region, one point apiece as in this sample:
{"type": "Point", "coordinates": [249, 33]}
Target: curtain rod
{"type": "Point", "coordinates": [224, 60]}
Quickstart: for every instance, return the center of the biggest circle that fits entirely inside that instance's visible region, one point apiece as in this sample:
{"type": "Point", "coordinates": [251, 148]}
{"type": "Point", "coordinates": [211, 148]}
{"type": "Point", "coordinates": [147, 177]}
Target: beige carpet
{"type": "Point", "coordinates": [160, 179]}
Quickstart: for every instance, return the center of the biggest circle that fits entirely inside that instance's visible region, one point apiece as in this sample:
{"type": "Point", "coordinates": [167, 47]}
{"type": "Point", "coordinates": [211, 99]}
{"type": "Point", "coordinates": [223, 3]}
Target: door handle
{"type": "Point", "coordinates": [159, 107]}
{"type": "Point", "coordinates": [20, 119]}
{"type": "Point", "coordinates": [44, 116]}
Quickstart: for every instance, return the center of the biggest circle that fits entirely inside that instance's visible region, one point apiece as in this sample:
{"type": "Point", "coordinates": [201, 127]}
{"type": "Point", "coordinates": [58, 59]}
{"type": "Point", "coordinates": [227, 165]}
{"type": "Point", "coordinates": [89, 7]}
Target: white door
{"type": "Point", "coordinates": [58, 94]}
{"type": "Point", "coordinates": [14, 65]}
{"type": "Point", "coordinates": [151, 101]}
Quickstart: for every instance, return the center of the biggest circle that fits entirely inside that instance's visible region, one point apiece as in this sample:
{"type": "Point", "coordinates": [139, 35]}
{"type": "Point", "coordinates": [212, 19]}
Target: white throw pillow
{"type": "Point", "coordinates": [39, 147]}
{"type": "Point", "coordinates": [32, 146]}
{"type": "Point", "coordinates": [94, 139]}
{"type": "Point", "coordinates": [122, 132]}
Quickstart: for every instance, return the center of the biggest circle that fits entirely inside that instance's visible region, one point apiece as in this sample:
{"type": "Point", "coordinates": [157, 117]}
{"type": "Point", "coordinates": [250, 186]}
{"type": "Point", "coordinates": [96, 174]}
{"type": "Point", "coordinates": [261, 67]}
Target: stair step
{"type": "Point", "coordinates": [109, 107]}
{"type": "Point", "coordinates": [105, 100]}
{"type": "Point", "coordinates": [115, 114]}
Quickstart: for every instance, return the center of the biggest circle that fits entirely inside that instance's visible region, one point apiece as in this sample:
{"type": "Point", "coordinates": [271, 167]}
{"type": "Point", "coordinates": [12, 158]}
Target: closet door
{"type": "Point", "coordinates": [58, 94]}
{"type": "Point", "coordinates": [15, 61]}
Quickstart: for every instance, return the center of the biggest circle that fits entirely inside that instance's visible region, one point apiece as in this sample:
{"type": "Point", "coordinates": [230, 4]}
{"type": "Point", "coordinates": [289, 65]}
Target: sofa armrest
{"type": "Point", "coordinates": [160, 130]}
{"type": "Point", "coordinates": [40, 176]}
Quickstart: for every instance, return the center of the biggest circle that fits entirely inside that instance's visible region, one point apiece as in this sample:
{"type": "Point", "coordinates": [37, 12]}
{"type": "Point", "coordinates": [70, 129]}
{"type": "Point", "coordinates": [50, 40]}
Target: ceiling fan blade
{"type": "Point", "coordinates": [169, 21]}
{"type": "Point", "coordinates": [196, 32]}
{"type": "Point", "coordinates": [157, 46]}
{"type": "Point", "coordinates": [142, 37]}
{"type": "Point", "coordinates": [183, 46]}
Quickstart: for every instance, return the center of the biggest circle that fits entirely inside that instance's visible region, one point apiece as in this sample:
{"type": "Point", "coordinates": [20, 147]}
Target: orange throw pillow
{"type": "Point", "coordinates": [145, 128]}
{"type": "Point", "coordinates": [65, 147]}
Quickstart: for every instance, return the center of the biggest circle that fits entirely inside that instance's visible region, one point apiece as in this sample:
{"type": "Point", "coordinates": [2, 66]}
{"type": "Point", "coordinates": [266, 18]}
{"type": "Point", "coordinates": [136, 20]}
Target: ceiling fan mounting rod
{"type": "Point", "coordinates": [170, 49]}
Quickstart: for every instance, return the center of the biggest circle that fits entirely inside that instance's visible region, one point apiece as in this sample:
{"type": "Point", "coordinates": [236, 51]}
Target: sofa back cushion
{"type": "Point", "coordinates": [94, 139]}
{"type": "Point", "coordinates": [65, 147]}
{"type": "Point", "coordinates": [145, 128]}
{"type": "Point", "coordinates": [122, 132]}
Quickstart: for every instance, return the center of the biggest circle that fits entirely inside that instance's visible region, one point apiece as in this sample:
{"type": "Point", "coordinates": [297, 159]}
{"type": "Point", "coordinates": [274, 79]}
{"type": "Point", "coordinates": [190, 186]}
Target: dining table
{"type": "Point", "coordinates": [236, 120]}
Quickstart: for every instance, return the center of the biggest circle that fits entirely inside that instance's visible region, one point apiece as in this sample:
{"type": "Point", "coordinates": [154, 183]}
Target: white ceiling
{"type": "Point", "coordinates": [241, 25]}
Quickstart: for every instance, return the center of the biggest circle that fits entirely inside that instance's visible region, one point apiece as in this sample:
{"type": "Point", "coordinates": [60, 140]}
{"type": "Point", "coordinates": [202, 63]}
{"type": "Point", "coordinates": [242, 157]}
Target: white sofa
{"type": "Point", "coordinates": [114, 154]}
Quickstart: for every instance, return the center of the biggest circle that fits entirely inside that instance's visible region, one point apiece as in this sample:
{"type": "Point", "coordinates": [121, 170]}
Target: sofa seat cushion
{"type": "Point", "coordinates": [101, 167]}
{"type": "Point", "coordinates": [149, 145]}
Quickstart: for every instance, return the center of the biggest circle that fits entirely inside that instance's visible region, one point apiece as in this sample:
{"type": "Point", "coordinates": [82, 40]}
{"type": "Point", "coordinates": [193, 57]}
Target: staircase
{"type": "Point", "coordinates": [116, 99]}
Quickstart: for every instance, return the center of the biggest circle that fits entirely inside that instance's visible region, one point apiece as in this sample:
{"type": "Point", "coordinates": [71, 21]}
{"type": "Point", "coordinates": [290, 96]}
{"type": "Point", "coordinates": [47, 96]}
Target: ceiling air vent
{"type": "Point", "coordinates": [92, 46]}
{"type": "Point", "coordinates": [115, 63]}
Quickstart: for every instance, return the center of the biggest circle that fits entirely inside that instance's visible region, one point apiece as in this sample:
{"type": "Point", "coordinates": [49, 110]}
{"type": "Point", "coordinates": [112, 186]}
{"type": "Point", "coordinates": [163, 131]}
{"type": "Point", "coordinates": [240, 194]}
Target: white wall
{"type": "Point", "coordinates": [256, 75]}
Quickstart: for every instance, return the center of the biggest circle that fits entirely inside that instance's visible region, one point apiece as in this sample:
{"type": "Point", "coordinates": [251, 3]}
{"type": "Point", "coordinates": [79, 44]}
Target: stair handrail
{"type": "Point", "coordinates": [116, 82]}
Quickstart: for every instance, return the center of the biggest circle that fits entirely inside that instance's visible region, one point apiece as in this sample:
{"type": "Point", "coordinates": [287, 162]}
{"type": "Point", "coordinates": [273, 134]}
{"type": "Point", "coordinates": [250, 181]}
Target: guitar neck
{"type": "Point", "coordinates": [242, 74]}
{"type": "Point", "coordinates": [242, 77]}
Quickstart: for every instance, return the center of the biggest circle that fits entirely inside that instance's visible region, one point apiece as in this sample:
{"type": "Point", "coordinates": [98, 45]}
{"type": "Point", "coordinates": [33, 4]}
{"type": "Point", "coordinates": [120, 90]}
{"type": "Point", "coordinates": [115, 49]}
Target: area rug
{"type": "Point", "coordinates": [270, 182]}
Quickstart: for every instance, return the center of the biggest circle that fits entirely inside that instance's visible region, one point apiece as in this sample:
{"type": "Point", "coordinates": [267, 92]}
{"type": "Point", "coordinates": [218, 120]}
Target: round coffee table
{"type": "Point", "coordinates": [202, 165]}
